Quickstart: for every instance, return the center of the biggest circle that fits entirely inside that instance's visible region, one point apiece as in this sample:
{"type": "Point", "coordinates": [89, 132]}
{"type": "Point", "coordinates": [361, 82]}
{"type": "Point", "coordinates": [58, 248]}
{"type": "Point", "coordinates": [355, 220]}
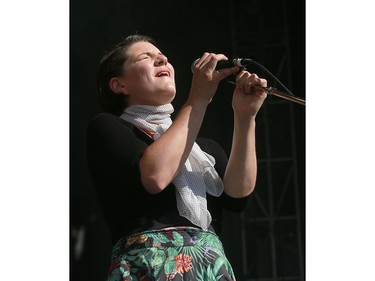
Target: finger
{"type": "Point", "coordinates": [225, 72]}
{"type": "Point", "coordinates": [258, 82]}
{"type": "Point", "coordinates": [212, 60]}
{"type": "Point", "coordinates": [209, 61]}
{"type": "Point", "coordinates": [263, 82]}
{"type": "Point", "coordinates": [254, 80]}
{"type": "Point", "coordinates": [242, 79]}
{"type": "Point", "coordinates": [251, 81]}
{"type": "Point", "coordinates": [201, 61]}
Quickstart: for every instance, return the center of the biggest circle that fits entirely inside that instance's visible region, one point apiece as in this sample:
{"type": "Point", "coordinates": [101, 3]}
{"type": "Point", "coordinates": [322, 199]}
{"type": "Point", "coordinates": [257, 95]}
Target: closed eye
{"type": "Point", "coordinates": [147, 55]}
{"type": "Point", "coordinates": [143, 57]}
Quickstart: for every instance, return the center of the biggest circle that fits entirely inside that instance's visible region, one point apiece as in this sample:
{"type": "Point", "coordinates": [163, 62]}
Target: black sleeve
{"type": "Point", "coordinates": [114, 152]}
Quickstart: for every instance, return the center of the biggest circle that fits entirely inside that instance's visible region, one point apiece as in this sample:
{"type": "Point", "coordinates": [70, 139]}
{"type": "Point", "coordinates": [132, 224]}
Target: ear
{"type": "Point", "coordinates": [118, 86]}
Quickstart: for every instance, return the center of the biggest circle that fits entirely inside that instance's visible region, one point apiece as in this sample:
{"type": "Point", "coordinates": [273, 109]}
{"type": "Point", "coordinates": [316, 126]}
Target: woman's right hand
{"type": "Point", "coordinates": [206, 78]}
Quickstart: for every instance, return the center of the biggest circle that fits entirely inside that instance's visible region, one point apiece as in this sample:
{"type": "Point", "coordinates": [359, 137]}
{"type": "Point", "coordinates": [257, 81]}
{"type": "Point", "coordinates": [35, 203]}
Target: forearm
{"type": "Point", "coordinates": [241, 171]}
{"type": "Point", "coordinates": [164, 158]}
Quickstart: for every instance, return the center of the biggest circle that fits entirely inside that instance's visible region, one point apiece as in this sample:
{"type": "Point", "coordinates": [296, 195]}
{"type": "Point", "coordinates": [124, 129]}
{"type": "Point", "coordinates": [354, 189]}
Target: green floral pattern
{"type": "Point", "coordinates": [173, 254]}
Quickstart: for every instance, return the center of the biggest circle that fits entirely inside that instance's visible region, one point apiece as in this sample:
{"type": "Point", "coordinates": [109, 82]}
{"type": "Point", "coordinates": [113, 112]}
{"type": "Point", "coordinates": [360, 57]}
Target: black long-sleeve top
{"type": "Point", "coordinates": [114, 151]}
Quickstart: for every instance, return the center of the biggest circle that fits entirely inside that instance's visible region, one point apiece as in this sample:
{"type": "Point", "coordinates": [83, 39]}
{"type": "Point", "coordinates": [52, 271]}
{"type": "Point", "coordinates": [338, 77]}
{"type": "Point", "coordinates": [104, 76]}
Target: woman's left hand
{"type": "Point", "coordinates": [247, 99]}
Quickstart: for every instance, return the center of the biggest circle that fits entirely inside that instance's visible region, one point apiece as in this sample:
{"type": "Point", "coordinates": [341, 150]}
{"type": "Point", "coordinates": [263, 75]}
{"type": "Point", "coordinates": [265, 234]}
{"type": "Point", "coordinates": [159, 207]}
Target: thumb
{"type": "Point", "coordinates": [225, 72]}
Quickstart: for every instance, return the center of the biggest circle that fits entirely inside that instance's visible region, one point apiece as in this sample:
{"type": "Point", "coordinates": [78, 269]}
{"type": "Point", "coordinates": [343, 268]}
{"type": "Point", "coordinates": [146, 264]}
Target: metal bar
{"type": "Point", "coordinates": [275, 92]}
{"type": "Point", "coordinates": [280, 94]}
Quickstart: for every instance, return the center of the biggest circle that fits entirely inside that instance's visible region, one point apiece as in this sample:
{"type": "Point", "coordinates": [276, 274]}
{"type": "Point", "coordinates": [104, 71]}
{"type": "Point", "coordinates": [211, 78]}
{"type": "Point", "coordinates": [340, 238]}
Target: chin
{"type": "Point", "coordinates": [169, 93]}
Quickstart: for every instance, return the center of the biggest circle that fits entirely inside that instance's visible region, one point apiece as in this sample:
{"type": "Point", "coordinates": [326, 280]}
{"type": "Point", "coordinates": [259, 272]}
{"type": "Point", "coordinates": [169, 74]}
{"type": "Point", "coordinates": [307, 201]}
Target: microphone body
{"type": "Point", "coordinates": [228, 63]}
{"type": "Point", "coordinates": [233, 62]}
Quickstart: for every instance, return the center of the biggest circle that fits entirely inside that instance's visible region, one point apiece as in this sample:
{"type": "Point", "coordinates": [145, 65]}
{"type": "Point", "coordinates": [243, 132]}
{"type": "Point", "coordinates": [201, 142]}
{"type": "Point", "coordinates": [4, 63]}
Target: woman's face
{"type": "Point", "coordinates": [148, 76]}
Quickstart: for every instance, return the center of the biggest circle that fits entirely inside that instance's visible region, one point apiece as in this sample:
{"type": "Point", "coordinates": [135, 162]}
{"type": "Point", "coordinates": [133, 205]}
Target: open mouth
{"type": "Point", "coordinates": [162, 73]}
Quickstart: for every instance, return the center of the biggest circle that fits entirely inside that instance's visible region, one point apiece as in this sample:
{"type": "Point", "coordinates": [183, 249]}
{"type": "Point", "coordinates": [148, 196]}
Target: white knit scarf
{"type": "Point", "coordinates": [198, 174]}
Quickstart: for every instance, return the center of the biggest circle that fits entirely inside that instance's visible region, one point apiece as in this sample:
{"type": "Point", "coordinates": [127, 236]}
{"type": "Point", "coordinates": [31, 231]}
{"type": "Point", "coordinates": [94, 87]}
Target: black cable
{"type": "Point", "coordinates": [251, 61]}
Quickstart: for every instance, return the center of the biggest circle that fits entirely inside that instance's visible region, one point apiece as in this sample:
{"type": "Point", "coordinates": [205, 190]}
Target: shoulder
{"type": "Point", "coordinates": [107, 122]}
{"type": "Point", "coordinates": [107, 128]}
{"type": "Point", "coordinates": [107, 119]}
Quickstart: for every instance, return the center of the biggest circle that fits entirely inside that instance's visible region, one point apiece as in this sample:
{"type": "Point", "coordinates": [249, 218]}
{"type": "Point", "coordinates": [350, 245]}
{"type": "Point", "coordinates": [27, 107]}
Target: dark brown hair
{"type": "Point", "coordinates": [111, 65]}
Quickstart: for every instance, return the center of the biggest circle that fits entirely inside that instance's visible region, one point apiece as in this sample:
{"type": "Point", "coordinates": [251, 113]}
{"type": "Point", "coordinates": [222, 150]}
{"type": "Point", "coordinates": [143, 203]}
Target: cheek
{"type": "Point", "coordinates": [171, 68]}
{"type": "Point", "coordinates": [138, 75]}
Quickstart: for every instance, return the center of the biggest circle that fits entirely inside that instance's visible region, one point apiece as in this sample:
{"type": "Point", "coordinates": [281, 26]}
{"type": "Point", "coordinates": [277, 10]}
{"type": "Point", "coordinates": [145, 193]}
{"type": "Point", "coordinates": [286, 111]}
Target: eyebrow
{"type": "Point", "coordinates": [149, 54]}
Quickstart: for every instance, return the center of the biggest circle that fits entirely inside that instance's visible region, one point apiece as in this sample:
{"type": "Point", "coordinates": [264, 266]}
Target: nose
{"type": "Point", "coordinates": [161, 60]}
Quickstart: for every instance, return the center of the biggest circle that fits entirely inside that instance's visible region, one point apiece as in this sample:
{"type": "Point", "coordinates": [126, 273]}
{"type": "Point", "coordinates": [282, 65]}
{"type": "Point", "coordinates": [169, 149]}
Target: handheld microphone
{"type": "Point", "coordinates": [228, 63]}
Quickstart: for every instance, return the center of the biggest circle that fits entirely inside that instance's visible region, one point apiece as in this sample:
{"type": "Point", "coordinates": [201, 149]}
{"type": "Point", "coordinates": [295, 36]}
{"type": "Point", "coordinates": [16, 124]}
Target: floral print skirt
{"type": "Point", "coordinates": [170, 254]}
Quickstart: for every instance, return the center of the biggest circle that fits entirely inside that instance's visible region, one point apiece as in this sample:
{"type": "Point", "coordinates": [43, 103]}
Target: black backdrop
{"type": "Point", "coordinates": [183, 30]}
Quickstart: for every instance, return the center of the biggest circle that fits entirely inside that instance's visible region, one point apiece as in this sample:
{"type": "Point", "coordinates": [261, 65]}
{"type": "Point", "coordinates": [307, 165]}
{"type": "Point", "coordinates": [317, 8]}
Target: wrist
{"type": "Point", "coordinates": [244, 121]}
{"type": "Point", "coordinates": [197, 103]}
{"type": "Point", "coordinates": [244, 124]}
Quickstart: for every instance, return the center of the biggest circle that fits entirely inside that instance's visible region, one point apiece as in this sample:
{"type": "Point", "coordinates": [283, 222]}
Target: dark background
{"type": "Point", "coordinates": [269, 31]}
